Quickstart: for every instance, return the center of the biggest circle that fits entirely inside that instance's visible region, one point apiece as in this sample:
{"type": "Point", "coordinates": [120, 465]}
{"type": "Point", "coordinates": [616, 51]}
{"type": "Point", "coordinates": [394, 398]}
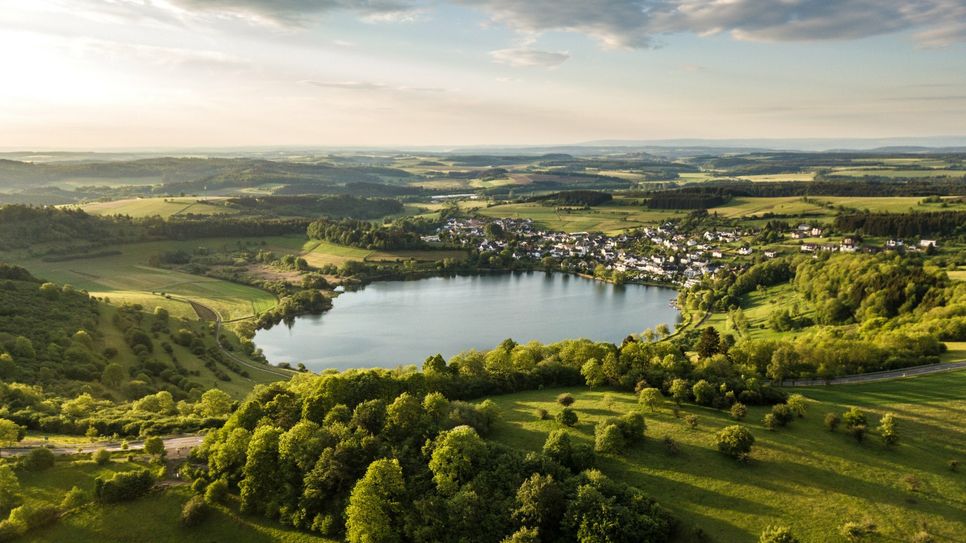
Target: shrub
{"type": "Point", "coordinates": [857, 531]}
{"type": "Point", "coordinates": [735, 441]}
{"type": "Point", "coordinates": [75, 497]}
{"type": "Point", "coordinates": [651, 397]}
{"type": "Point", "coordinates": [953, 465]}
{"type": "Point", "coordinates": [777, 534]}
{"type": "Point", "coordinates": [922, 536]}
{"type": "Point", "coordinates": [30, 517]}
{"type": "Point", "coordinates": [101, 456]}
{"type": "Point", "coordinates": [540, 413]}
{"type": "Point", "coordinates": [565, 399]}
{"type": "Point", "coordinates": [608, 438]}
{"type": "Point", "coordinates": [217, 491]}
{"type": "Point", "coordinates": [199, 485]}
{"type": "Point", "coordinates": [887, 429]}
{"type": "Point", "coordinates": [123, 486]}
{"type": "Point", "coordinates": [769, 421]}
{"type": "Point", "coordinates": [39, 459]}
{"type": "Point", "coordinates": [783, 414]}
{"type": "Point", "coordinates": [857, 432]}
{"type": "Point", "coordinates": [739, 411]}
{"type": "Point", "coordinates": [567, 417]}
{"type": "Point", "coordinates": [691, 421]}
{"type": "Point", "coordinates": [854, 417]}
{"type": "Point", "coordinates": [911, 483]}
{"type": "Point", "coordinates": [832, 421]}
{"type": "Point", "coordinates": [575, 456]}
{"type": "Point", "coordinates": [798, 404]}
{"type": "Point", "coordinates": [194, 511]}
{"type": "Point", "coordinates": [154, 445]}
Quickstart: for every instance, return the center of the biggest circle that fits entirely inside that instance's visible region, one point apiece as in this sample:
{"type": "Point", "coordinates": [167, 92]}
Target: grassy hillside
{"type": "Point", "coordinates": [802, 476]}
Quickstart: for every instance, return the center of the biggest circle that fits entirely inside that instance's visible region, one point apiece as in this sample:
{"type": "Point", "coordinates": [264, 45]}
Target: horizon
{"type": "Point", "coordinates": [185, 74]}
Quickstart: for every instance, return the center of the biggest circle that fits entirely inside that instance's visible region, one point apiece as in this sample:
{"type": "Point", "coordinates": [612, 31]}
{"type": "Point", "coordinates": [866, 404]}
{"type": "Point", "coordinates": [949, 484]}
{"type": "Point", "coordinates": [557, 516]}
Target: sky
{"type": "Point", "coordinates": [97, 74]}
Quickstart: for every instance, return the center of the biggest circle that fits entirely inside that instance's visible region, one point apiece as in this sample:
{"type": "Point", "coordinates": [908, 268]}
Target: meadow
{"type": "Point", "coordinates": [321, 253]}
{"type": "Point", "coordinates": [802, 476]}
{"type": "Point", "coordinates": [160, 207]}
{"type": "Point", "coordinates": [607, 219]}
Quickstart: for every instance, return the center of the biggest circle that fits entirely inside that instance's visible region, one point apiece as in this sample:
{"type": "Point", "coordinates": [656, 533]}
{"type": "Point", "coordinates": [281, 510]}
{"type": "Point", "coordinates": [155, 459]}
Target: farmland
{"type": "Point", "coordinates": [803, 476]}
{"type": "Point", "coordinates": [160, 207]}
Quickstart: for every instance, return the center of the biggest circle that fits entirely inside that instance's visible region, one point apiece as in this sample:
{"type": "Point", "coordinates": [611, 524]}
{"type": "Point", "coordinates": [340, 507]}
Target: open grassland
{"type": "Point", "coordinates": [758, 307]}
{"type": "Point", "coordinates": [161, 207]}
{"type": "Point", "coordinates": [129, 277]}
{"type": "Point", "coordinates": [323, 252]}
{"type": "Point", "coordinates": [745, 207]}
{"type": "Point", "coordinates": [802, 476]}
{"type": "Point", "coordinates": [898, 172]}
{"type": "Point", "coordinates": [889, 204]}
{"type": "Point", "coordinates": [958, 275]}
{"type": "Point", "coordinates": [955, 351]}
{"type": "Point", "coordinates": [773, 177]}
{"type": "Point", "coordinates": [608, 219]}
{"type": "Point", "coordinates": [152, 518]}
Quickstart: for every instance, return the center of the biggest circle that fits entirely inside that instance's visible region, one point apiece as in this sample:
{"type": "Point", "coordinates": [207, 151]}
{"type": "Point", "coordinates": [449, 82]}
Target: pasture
{"type": "Point", "coordinates": [802, 476]}
{"type": "Point", "coordinates": [160, 207]}
{"type": "Point", "coordinates": [321, 253]}
{"type": "Point", "coordinates": [607, 219]}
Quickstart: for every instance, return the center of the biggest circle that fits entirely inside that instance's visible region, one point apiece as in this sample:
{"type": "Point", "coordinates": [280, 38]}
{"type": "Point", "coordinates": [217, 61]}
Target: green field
{"type": "Point", "coordinates": [321, 253]}
{"type": "Point", "coordinates": [129, 278]}
{"type": "Point", "coordinates": [802, 476]}
{"type": "Point", "coordinates": [745, 207]}
{"type": "Point", "coordinates": [607, 219]}
{"type": "Point", "coordinates": [162, 207]}
{"type": "Point", "coordinates": [152, 518]}
{"type": "Point", "coordinates": [898, 172]}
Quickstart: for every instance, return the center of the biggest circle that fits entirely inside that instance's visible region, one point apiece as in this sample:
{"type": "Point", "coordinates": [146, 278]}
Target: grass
{"type": "Point", "coordinates": [321, 253]}
{"type": "Point", "coordinates": [128, 277]}
{"type": "Point", "coordinates": [162, 207]}
{"type": "Point", "coordinates": [608, 219]}
{"type": "Point", "coordinates": [751, 207]}
{"type": "Point", "coordinates": [890, 204]}
{"type": "Point", "coordinates": [802, 476]}
{"type": "Point", "coordinates": [154, 518]}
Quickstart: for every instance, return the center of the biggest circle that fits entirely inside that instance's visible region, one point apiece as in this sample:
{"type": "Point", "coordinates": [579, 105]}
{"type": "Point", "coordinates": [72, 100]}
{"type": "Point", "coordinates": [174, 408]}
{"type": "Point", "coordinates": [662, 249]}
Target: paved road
{"type": "Point", "coordinates": [878, 376]}
{"type": "Point", "coordinates": [174, 446]}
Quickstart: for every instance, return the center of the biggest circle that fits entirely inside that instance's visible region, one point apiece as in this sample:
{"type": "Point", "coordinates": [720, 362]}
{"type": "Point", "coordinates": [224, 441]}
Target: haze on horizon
{"type": "Point", "coordinates": [182, 73]}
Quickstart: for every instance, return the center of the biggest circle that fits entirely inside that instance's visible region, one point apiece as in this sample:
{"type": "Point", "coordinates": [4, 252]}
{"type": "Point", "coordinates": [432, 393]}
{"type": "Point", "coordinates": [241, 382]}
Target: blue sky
{"type": "Point", "coordinates": [180, 73]}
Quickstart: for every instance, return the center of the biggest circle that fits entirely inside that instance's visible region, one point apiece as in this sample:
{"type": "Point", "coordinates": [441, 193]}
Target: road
{"type": "Point", "coordinates": [175, 446]}
{"type": "Point", "coordinates": [878, 376]}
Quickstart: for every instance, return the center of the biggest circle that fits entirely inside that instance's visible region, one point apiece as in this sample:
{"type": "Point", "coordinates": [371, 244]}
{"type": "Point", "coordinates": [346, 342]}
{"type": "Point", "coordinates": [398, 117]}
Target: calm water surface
{"type": "Point", "coordinates": [402, 322]}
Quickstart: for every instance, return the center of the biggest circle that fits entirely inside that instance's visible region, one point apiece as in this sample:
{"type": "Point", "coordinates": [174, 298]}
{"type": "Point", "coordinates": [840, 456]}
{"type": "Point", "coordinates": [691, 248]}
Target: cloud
{"type": "Point", "coordinates": [640, 23]}
{"type": "Point", "coordinates": [528, 58]}
{"type": "Point", "coordinates": [295, 12]}
{"type": "Point", "coordinates": [158, 56]}
{"type": "Point", "coordinates": [349, 85]}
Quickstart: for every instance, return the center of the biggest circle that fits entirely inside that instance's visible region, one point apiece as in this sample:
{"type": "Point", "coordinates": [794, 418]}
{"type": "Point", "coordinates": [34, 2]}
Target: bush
{"type": "Point", "coordinates": [199, 485]}
{"type": "Point", "coordinates": [154, 446]}
{"type": "Point", "coordinates": [123, 486]}
{"type": "Point", "coordinates": [101, 456]}
{"type": "Point", "coordinates": [857, 531]}
{"type": "Point", "coordinates": [565, 399]}
{"type": "Point", "coordinates": [777, 534]}
{"type": "Point", "coordinates": [608, 438]}
{"type": "Point", "coordinates": [194, 511]}
{"type": "Point", "coordinates": [922, 536]}
{"type": "Point", "coordinates": [857, 432]}
{"type": "Point", "coordinates": [75, 497]}
{"type": "Point", "coordinates": [671, 447]}
{"type": "Point", "coordinates": [691, 421]}
{"type": "Point", "coordinates": [540, 413]}
{"type": "Point", "coordinates": [769, 421]}
{"type": "Point", "coordinates": [31, 517]}
{"type": "Point", "coordinates": [574, 456]}
{"type": "Point", "coordinates": [735, 441]}
{"type": "Point", "coordinates": [953, 465]}
{"type": "Point", "coordinates": [783, 414]}
{"type": "Point", "coordinates": [854, 417]}
{"type": "Point", "coordinates": [567, 417]}
{"type": "Point", "coordinates": [39, 459]}
{"type": "Point", "coordinates": [832, 421]}
{"type": "Point", "coordinates": [217, 491]}
{"type": "Point", "coordinates": [739, 411]}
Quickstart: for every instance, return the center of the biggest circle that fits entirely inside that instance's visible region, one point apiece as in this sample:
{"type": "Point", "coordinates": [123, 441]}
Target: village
{"type": "Point", "coordinates": [660, 254]}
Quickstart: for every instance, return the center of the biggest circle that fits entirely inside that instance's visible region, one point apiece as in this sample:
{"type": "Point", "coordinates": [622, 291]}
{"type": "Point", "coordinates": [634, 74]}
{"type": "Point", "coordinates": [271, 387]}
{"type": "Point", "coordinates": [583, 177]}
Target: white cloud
{"type": "Point", "coordinates": [529, 58]}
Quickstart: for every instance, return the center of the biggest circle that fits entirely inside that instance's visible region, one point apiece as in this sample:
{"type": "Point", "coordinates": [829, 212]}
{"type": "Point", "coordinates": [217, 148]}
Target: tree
{"type": "Point", "coordinates": [215, 403]}
{"type": "Point", "coordinates": [113, 375]}
{"type": "Point", "coordinates": [523, 535]}
{"type": "Point", "coordinates": [709, 342]}
{"type": "Point", "coordinates": [217, 491]}
{"type": "Point", "coordinates": [154, 446]}
{"type": "Point", "coordinates": [783, 362]}
{"type": "Point", "coordinates": [735, 441]}
{"type": "Point", "coordinates": [101, 457]}
{"type": "Point", "coordinates": [561, 449]}
{"type": "Point", "coordinates": [854, 417]}
{"type": "Point", "coordinates": [435, 365]}
{"type": "Point", "coordinates": [565, 399]}
{"type": "Point", "coordinates": [704, 392]}
{"type": "Point", "coordinates": [540, 503]}
{"type": "Point", "coordinates": [376, 504]}
{"type": "Point", "coordinates": [39, 459]}
{"type": "Point", "coordinates": [593, 373]}
{"type": "Point", "coordinates": [651, 397]}
{"type": "Point", "coordinates": [769, 422]}
{"type": "Point", "coordinates": [10, 432]}
{"type": "Point", "coordinates": [260, 485]}
{"type": "Point", "coordinates": [887, 429]}
{"type": "Point", "coordinates": [777, 534]}
{"type": "Point", "coordinates": [194, 511]}
{"type": "Point", "coordinates": [662, 330]}
{"type": "Point", "coordinates": [782, 413]}
{"type": "Point", "coordinates": [680, 392]}
{"type": "Point", "coordinates": [739, 411]}
{"type": "Point", "coordinates": [456, 458]}
{"type": "Point", "coordinates": [10, 496]}
{"type": "Point", "coordinates": [608, 438]}
{"type": "Point", "coordinates": [798, 404]}
{"type": "Point", "coordinates": [567, 417]}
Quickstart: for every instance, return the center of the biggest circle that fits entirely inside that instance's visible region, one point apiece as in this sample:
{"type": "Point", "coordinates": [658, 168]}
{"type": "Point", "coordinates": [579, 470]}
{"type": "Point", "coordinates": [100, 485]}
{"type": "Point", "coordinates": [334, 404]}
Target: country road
{"type": "Point", "coordinates": [877, 376]}
{"type": "Point", "coordinates": [175, 446]}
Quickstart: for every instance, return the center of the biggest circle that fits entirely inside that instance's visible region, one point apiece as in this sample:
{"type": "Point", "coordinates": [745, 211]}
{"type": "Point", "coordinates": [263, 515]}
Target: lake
{"type": "Point", "coordinates": [403, 322]}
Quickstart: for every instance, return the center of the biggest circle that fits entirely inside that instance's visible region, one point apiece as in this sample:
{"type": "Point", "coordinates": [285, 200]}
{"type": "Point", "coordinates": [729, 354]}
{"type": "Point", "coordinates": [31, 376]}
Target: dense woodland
{"type": "Point", "coordinates": [946, 224]}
